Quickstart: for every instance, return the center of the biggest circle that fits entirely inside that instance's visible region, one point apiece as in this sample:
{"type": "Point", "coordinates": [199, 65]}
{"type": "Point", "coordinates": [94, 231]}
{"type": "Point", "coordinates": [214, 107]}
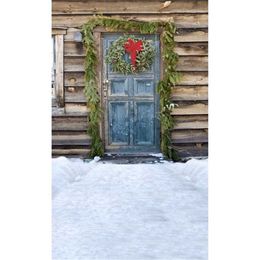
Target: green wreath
{"type": "Point", "coordinates": [119, 59]}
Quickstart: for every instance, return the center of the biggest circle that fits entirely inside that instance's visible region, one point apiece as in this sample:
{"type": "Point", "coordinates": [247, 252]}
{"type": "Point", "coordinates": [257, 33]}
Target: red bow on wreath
{"type": "Point", "coordinates": [133, 48]}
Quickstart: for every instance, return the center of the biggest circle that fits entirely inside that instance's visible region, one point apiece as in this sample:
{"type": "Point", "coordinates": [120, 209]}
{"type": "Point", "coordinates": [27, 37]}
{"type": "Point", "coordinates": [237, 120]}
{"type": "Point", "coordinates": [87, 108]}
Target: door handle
{"type": "Point", "coordinates": [105, 82]}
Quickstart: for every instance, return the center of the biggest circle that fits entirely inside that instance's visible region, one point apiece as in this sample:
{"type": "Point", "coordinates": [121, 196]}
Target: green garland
{"type": "Point", "coordinates": [116, 52]}
{"type": "Point", "coordinates": [170, 77]}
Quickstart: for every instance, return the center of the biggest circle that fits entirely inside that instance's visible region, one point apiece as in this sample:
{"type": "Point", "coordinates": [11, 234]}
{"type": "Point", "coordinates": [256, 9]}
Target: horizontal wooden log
{"type": "Point", "coordinates": [191, 63]}
{"type": "Point", "coordinates": [188, 48]}
{"type": "Point", "coordinates": [76, 109]}
{"type": "Point", "coordinates": [180, 20]}
{"type": "Point", "coordinates": [193, 109]}
{"type": "Point", "coordinates": [71, 152]}
{"type": "Point", "coordinates": [72, 48]}
{"type": "Point", "coordinates": [182, 35]}
{"type": "Point", "coordinates": [56, 31]}
{"type": "Point", "coordinates": [70, 140]}
{"type": "Point", "coordinates": [76, 49]}
{"type": "Point", "coordinates": [74, 64]}
{"type": "Point", "coordinates": [189, 136]}
{"type": "Point", "coordinates": [185, 63]}
{"type": "Point", "coordinates": [127, 7]}
{"type": "Point", "coordinates": [188, 151]}
{"type": "Point", "coordinates": [74, 79]}
{"type": "Point", "coordinates": [189, 93]}
{"type": "Point", "coordinates": [179, 93]}
{"type": "Point", "coordinates": [193, 78]}
{"type": "Point", "coordinates": [69, 123]}
{"type": "Point", "coordinates": [57, 111]}
{"type": "Point", "coordinates": [191, 122]}
{"type": "Point", "coordinates": [191, 35]}
{"type": "Point", "coordinates": [74, 95]}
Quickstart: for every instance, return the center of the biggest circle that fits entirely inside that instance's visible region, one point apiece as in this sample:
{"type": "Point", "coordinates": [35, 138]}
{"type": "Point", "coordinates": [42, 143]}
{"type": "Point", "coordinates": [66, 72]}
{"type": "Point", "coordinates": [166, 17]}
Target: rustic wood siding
{"type": "Point", "coordinates": [190, 136]}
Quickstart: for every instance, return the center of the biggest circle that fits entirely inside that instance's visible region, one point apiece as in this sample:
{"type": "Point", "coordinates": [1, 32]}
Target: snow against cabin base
{"type": "Point", "coordinates": [138, 211]}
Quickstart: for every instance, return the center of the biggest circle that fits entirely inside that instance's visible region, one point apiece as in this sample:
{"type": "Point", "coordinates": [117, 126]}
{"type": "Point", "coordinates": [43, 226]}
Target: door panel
{"type": "Point", "coordinates": [131, 104]}
{"type": "Point", "coordinates": [143, 87]}
{"type": "Point", "coordinates": [118, 123]}
{"type": "Point", "coordinates": [118, 87]}
{"type": "Point", "coordinates": [144, 123]}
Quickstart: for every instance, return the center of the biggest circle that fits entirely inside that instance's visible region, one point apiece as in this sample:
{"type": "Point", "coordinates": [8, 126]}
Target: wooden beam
{"type": "Point", "coordinates": [194, 48]}
{"type": "Point", "coordinates": [189, 136]}
{"type": "Point", "coordinates": [187, 93]}
{"type": "Point", "coordinates": [182, 35]}
{"type": "Point", "coordinates": [193, 78]}
{"type": "Point", "coordinates": [181, 20]}
{"type": "Point", "coordinates": [191, 150]}
{"type": "Point", "coordinates": [59, 83]}
{"type": "Point", "coordinates": [71, 152]}
{"type": "Point", "coordinates": [70, 140]}
{"type": "Point", "coordinates": [188, 63]}
{"type": "Point", "coordinates": [127, 7]}
{"type": "Point", "coordinates": [74, 79]}
{"type": "Point", "coordinates": [191, 122]}
{"type": "Point", "coordinates": [69, 123]}
{"type": "Point", "coordinates": [193, 109]}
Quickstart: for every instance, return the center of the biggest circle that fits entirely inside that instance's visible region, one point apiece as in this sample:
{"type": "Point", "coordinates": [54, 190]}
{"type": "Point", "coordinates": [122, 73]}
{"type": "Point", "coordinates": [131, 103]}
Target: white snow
{"type": "Point", "coordinates": [65, 171]}
{"type": "Point", "coordinates": [111, 211]}
{"type": "Point", "coordinates": [159, 155]}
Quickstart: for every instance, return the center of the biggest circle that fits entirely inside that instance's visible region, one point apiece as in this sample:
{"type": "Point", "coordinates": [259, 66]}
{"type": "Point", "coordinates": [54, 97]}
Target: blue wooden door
{"type": "Point", "coordinates": [131, 105]}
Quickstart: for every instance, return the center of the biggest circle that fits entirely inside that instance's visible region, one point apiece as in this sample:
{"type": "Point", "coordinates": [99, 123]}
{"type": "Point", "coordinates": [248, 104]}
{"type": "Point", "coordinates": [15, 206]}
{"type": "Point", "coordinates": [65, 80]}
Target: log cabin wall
{"type": "Point", "coordinates": [190, 135]}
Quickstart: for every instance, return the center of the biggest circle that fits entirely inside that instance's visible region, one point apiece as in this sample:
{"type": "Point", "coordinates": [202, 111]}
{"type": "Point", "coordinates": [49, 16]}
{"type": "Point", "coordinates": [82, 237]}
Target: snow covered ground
{"type": "Point", "coordinates": [111, 211]}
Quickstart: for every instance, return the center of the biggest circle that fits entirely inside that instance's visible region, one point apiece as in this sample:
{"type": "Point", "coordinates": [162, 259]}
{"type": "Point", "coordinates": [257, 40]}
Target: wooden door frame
{"type": "Point", "coordinates": [97, 32]}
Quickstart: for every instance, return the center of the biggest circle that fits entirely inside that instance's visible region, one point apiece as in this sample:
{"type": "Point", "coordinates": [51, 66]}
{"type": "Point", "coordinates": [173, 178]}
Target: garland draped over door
{"type": "Point", "coordinates": [170, 77]}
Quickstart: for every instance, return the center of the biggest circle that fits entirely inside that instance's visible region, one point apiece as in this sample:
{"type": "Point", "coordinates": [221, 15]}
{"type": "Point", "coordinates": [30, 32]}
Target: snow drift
{"type": "Point", "coordinates": [109, 211]}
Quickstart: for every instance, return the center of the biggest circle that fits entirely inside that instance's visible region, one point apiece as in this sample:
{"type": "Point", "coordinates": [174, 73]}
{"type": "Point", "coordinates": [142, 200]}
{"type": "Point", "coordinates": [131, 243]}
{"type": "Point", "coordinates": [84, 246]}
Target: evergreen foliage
{"type": "Point", "coordinates": [170, 77]}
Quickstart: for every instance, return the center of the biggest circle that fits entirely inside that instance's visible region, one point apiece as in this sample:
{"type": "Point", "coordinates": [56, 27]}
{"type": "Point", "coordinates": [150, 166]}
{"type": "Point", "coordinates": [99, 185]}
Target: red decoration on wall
{"type": "Point", "coordinates": [133, 48]}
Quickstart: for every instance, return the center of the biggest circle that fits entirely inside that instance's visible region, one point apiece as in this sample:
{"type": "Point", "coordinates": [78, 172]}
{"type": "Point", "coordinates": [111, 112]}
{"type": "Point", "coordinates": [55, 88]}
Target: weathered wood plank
{"type": "Point", "coordinates": [72, 48]}
{"type": "Point", "coordinates": [71, 152]}
{"type": "Point", "coordinates": [179, 93]}
{"type": "Point", "coordinates": [189, 93]}
{"type": "Point", "coordinates": [193, 78]}
{"type": "Point", "coordinates": [183, 151]}
{"type": "Point", "coordinates": [127, 7]}
{"type": "Point", "coordinates": [191, 35]}
{"type": "Point", "coordinates": [194, 109]}
{"type": "Point", "coordinates": [59, 92]}
{"type": "Point", "coordinates": [74, 95]}
{"type": "Point", "coordinates": [189, 136]}
{"type": "Point", "coordinates": [188, 63]}
{"type": "Point", "coordinates": [191, 122]}
{"type": "Point", "coordinates": [187, 151]}
{"type": "Point", "coordinates": [76, 49]}
{"type": "Point", "coordinates": [56, 31]}
{"type": "Point", "coordinates": [69, 123]}
{"type": "Point", "coordinates": [74, 64]}
{"type": "Point", "coordinates": [180, 20]}
{"type": "Point", "coordinates": [182, 35]}
{"type": "Point", "coordinates": [192, 63]}
{"type": "Point", "coordinates": [76, 108]}
{"type": "Point", "coordinates": [70, 140]}
{"type": "Point", "coordinates": [186, 49]}
{"type": "Point", "coordinates": [74, 79]}
{"type": "Point", "coordinates": [57, 111]}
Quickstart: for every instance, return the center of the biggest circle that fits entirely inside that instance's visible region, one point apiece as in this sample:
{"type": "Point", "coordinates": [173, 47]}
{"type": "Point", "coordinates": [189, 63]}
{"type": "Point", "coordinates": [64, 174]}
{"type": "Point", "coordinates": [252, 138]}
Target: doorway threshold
{"type": "Point", "coordinates": [133, 158]}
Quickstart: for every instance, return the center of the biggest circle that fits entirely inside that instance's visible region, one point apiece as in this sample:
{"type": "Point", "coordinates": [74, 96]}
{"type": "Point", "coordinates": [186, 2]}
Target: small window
{"type": "Point", "coordinates": [57, 84]}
